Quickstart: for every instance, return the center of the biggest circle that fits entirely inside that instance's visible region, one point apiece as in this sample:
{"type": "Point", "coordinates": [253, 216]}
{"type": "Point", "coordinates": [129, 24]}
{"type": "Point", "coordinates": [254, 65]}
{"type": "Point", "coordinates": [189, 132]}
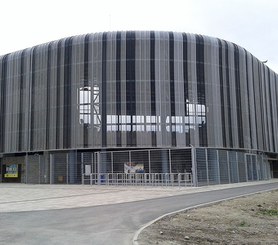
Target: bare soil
{"type": "Point", "coordinates": [248, 220]}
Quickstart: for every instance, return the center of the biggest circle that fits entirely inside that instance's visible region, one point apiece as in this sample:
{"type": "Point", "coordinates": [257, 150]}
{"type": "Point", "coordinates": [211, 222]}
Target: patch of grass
{"type": "Point", "coordinates": [269, 212]}
{"type": "Point", "coordinates": [243, 224]}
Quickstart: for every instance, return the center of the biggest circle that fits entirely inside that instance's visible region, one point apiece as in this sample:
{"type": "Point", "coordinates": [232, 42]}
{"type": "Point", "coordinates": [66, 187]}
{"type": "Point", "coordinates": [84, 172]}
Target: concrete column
{"type": "Point", "coordinates": [46, 168]}
{"type": "Point", "coordinates": [228, 165]}
{"type": "Point", "coordinates": [206, 153]}
{"type": "Point", "coordinates": [72, 167]}
{"type": "Point", "coordinates": [112, 163]}
{"type": "Point", "coordinates": [165, 165]}
{"type": "Point", "coordinates": [237, 167]}
{"type": "Point", "coordinates": [102, 162]}
{"type": "Point", "coordinates": [51, 169]}
{"type": "Point", "coordinates": [170, 161]}
{"type": "Point", "coordinates": [149, 158]}
{"type": "Point", "coordinates": [218, 167]}
{"type": "Point", "coordinates": [26, 169]}
{"type": "Point", "coordinates": [194, 167]}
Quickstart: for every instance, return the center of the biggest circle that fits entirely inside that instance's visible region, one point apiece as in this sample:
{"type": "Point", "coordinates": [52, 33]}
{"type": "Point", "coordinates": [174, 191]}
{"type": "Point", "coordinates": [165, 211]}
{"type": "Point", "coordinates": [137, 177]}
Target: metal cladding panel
{"type": "Point", "coordinates": [136, 89]}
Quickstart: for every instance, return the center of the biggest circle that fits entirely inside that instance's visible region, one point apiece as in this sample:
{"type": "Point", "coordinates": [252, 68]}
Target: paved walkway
{"type": "Point", "coordinates": [26, 197]}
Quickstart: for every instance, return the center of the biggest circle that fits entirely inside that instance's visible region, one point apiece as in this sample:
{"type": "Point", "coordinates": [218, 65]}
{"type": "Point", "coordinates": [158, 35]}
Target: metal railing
{"type": "Point", "coordinates": [139, 179]}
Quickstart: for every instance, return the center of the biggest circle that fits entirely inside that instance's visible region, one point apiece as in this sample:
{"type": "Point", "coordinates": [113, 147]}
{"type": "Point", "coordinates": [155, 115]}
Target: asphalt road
{"type": "Point", "coordinates": [108, 224]}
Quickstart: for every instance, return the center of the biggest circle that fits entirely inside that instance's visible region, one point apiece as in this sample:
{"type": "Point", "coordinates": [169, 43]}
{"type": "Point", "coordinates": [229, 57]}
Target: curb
{"type": "Point", "coordinates": [137, 233]}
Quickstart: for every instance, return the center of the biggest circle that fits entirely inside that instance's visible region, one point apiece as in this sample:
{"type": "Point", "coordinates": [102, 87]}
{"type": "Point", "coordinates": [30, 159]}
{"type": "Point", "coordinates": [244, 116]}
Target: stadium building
{"type": "Point", "coordinates": [143, 107]}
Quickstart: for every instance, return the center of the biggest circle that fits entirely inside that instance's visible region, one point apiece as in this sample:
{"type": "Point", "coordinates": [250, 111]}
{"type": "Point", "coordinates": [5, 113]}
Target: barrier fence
{"type": "Point", "coordinates": [168, 167]}
{"type": "Point", "coordinates": [173, 167]}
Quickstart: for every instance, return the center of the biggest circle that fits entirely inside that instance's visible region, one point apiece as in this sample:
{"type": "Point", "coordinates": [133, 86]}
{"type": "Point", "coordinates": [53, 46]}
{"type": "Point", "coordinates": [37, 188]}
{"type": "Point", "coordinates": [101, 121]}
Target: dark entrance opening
{"type": "Point", "coordinates": [274, 166]}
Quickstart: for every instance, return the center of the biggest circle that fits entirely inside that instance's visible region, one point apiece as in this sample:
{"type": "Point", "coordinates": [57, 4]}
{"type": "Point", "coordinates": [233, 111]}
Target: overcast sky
{"type": "Point", "coordinates": [252, 24]}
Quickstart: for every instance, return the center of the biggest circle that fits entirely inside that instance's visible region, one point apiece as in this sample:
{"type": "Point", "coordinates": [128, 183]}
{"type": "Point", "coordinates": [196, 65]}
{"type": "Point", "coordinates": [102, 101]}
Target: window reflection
{"type": "Point", "coordinates": [84, 105]}
{"type": "Point", "coordinates": [88, 102]}
{"type": "Point", "coordinates": [195, 117]}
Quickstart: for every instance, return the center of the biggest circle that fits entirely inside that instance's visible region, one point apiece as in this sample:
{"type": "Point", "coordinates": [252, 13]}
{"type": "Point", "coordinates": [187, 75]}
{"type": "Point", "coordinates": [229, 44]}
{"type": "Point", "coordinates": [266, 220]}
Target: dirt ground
{"type": "Point", "coordinates": [247, 220]}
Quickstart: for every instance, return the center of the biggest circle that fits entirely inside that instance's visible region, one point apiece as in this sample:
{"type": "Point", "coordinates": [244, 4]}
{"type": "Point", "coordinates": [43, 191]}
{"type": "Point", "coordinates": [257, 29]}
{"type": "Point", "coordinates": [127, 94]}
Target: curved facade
{"type": "Point", "coordinates": [124, 90]}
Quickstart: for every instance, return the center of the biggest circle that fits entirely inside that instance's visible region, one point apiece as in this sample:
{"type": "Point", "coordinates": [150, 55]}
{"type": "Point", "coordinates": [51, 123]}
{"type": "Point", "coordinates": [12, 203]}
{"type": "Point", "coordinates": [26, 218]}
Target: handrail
{"type": "Point", "coordinates": [139, 179]}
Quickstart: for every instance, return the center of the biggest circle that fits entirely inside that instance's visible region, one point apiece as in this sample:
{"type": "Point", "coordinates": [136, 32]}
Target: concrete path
{"type": "Point", "coordinates": [97, 223]}
{"type": "Point", "coordinates": [22, 197]}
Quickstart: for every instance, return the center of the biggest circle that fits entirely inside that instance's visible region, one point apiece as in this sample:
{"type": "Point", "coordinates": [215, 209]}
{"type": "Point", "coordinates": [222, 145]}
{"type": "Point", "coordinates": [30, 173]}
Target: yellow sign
{"type": "Point", "coordinates": [11, 171]}
{"type": "Point", "coordinates": [11, 175]}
